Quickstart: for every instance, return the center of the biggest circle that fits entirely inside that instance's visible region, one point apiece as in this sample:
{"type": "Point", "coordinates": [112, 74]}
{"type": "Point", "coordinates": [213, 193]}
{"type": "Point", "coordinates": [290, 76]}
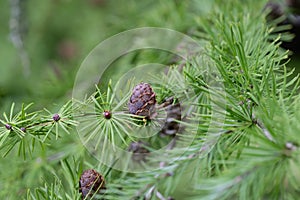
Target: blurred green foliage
{"type": "Point", "coordinates": [59, 34]}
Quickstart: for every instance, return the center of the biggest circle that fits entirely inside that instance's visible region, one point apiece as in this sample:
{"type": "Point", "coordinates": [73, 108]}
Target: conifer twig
{"type": "Point", "coordinates": [262, 127]}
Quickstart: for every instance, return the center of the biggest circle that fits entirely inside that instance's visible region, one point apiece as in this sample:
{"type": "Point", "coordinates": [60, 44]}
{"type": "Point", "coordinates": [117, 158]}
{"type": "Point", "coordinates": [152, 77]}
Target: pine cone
{"type": "Point", "coordinates": [142, 101]}
{"type": "Point", "coordinates": [171, 125]}
{"type": "Point", "coordinates": [90, 182]}
{"type": "Point", "coordinates": [173, 111]}
{"type": "Point", "coordinates": [139, 150]}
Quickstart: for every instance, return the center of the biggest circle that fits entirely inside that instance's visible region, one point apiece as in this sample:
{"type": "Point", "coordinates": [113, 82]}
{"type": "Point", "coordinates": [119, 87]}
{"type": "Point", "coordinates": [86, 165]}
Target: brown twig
{"type": "Point", "coordinates": [263, 128]}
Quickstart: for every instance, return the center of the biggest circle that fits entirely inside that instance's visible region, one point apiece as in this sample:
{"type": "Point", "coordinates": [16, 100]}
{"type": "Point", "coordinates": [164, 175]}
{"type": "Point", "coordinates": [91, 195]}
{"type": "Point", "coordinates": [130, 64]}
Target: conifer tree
{"type": "Point", "coordinates": [220, 124]}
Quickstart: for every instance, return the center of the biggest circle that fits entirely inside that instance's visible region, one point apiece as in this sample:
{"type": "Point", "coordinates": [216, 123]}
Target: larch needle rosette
{"type": "Point", "coordinates": [108, 118]}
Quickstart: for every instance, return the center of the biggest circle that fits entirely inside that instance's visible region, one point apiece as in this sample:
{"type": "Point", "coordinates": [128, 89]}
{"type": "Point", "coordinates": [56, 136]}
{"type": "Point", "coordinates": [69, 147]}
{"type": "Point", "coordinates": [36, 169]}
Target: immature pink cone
{"type": "Point", "coordinates": [107, 114]}
{"type": "Point", "coordinates": [56, 117]}
{"type": "Point", "coordinates": [8, 127]}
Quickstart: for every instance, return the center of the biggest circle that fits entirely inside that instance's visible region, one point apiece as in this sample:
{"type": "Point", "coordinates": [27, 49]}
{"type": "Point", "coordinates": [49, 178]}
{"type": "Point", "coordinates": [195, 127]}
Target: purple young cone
{"type": "Point", "coordinates": [107, 114]}
{"type": "Point", "coordinates": [8, 127]}
{"type": "Point", "coordinates": [56, 117]}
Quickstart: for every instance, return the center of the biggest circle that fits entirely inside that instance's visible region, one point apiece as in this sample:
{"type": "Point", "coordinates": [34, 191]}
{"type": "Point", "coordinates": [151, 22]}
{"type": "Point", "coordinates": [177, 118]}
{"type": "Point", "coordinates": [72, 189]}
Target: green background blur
{"type": "Point", "coordinates": [59, 34]}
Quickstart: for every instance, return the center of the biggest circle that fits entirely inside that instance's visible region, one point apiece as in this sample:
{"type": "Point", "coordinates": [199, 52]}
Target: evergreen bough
{"type": "Point", "coordinates": [245, 134]}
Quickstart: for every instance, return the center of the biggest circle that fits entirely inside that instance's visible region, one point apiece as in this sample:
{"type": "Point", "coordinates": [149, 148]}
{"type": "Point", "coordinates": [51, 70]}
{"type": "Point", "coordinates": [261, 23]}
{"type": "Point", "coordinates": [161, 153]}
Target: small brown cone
{"type": "Point", "coordinates": [142, 101]}
{"type": "Point", "coordinates": [139, 151]}
{"type": "Point", "coordinates": [171, 126]}
{"type": "Point", "coordinates": [90, 182]}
